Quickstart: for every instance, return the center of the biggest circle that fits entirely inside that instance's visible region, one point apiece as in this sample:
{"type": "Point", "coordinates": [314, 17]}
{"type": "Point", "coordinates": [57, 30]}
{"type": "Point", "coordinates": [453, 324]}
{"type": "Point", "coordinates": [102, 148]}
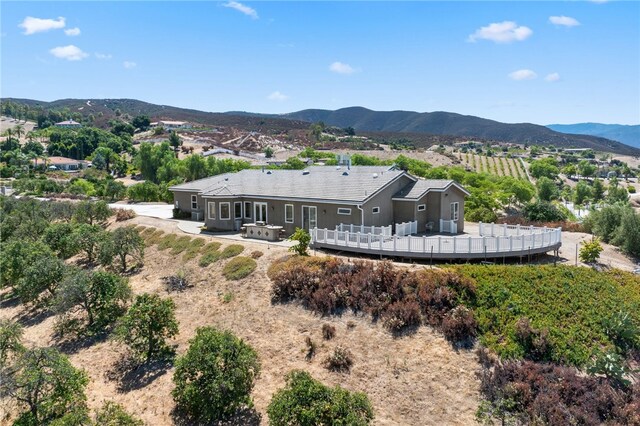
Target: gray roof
{"type": "Point", "coordinates": [317, 182]}
{"type": "Point", "coordinates": [417, 189]}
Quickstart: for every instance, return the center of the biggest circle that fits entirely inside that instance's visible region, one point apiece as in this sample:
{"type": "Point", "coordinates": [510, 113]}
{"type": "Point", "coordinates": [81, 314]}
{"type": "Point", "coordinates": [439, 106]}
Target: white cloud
{"type": "Point", "coordinates": [129, 64]}
{"type": "Point", "coordinates": [501, 32]}
{"type": "Point", "coordinates": [523, 75]}
{"type": "Point", "coordinates": [249, 11]}
{"type": "Point", "coordinates": [72, 32]}
{"type": "Point", "coordinates": [33, 25]}
{"type": "Point", "coordinates": [103, 56]}
{"type": "Point", "coordinates": [277, 96]}
{"type": "Point", "coordinates": [341, 68]}
{"type": "Point", "coordinates": [554, 76]}
{"type": "Point", "coordinates": [565, 21]}
{"type": "Point", "coordinates": [70, 53]}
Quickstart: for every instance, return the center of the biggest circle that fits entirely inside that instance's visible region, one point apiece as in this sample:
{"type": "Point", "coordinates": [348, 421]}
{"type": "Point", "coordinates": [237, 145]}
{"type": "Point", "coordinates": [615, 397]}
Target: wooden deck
{"type": "Point", "coordinates": [494, 241]}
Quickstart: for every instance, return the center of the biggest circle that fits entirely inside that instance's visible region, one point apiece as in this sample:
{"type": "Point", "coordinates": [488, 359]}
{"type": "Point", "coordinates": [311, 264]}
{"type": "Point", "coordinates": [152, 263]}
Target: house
{"type": "Point", "coordinates": [323, 197]}
{"type": "Point", "coordinates": [173, 125]}
{"type": "Point", "coordinates": [69, 124]}
{"type": "Point", "coordinates": [66, 164]}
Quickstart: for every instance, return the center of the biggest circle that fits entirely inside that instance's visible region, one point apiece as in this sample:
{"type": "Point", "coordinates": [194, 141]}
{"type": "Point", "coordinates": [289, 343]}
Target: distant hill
{"type": "Point", "coordinates": [629, 135]}
{"type": "Point", "coordinates": [423, 128]}
{"type": "Point", "coordinates": [448, 123]}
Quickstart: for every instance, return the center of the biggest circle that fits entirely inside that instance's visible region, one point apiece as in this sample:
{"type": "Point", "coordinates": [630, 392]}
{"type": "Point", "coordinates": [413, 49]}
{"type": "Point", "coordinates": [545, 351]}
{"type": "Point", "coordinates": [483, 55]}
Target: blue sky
{"type": "Point", "coordinates": [541, 62]}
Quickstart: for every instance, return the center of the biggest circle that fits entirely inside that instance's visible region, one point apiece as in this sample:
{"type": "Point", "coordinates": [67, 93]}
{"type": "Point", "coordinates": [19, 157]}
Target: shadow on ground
{"type": "Point", "coordinates": [130, 374]}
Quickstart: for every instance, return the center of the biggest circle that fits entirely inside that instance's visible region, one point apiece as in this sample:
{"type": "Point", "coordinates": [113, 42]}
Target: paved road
{"type": "Point", "coordinates": [161, 211]}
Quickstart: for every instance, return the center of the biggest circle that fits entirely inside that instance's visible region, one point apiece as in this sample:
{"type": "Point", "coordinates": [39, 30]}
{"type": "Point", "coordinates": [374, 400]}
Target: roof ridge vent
{"type": "Point", "coordinates": [375, 175]}
{"type": "Point", "coordinates": [345, 173]}
{"type": "Point", "coordinates": [268, 172]}
{"type": "Point", "coordinates": [305, 172]}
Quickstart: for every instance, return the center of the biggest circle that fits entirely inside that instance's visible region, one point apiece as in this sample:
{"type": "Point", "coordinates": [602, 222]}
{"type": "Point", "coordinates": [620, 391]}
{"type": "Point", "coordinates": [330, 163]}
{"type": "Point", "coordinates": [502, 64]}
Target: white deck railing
{"type": "Point", "coordinates": [406, 228]}
{"type": "Point", "coordinates": [375, 230]}
{"type": "Point", "coordinates": [449, 226]}
{"type": "Point", "coordinates": [517, 240]}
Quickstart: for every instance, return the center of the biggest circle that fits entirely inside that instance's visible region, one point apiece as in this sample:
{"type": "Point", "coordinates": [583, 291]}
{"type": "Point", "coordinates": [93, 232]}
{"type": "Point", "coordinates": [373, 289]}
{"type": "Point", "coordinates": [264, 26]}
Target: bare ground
{"type": "Point", "coordinates": [415, 379]}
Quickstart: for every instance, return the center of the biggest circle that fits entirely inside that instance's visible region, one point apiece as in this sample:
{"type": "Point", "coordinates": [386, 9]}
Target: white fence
{"type": "Point", "coordinates": [517, 241]}
{"type": "Point", "coordinates": [375, 230]}
{"type": "Point", "coordinates": [449, 226]}
{"type": "Point", "coordinates": [406, 228]}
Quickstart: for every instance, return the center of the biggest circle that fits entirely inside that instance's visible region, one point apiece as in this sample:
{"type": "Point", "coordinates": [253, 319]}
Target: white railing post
{"type": "Point", "coordinates": [504, 229]}
{"type": "Point", "coordinates": [351, 227]}
{"type": "Point", "coordinates": [492, 234]}
{"type": "Point", "coordinates": [424, 244]}
{"type": "Point", "coordinates": [381, 242]}
{"type": "Point", "coordinates": [409, 243]}
{"type": "Point", "coordinates": [481, 228]}
{"type": "Point", "coordinates": [522, 241]}
{"type": "Point", "coordinates": [346, 238]}
{"type": "Point", "coordinates": [395, 239]}
{"type": "Point", "coordinates": [469, 244]}
{"type": "Point", "coordinates": [358, 235]}
{"type": "Point", "coordinates": [454, 245]}
{"type": "Point", "coordinates": [497, 244]}
{"type": "Point", "coordinates": [369, 241]}
{"type": "Point", "coordinates": [518, 229]}
{"type": "Point", "coordinates": [510, 242]}
{"type": "Point", "coordinates": [439, 244]}
{"type": "Point", "coordinates": [335, 238]}
{"type": "Point", "coordinates": [440, 228]}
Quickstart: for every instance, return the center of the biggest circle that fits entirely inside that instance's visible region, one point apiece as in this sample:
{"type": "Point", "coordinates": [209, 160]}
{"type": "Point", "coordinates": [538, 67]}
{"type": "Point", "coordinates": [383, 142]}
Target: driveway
{"type": "Point", "coordinates": [161, 211]}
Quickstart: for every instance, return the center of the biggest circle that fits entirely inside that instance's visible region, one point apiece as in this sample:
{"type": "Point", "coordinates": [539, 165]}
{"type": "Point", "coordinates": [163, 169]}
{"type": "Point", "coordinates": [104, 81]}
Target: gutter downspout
{"type": "Point", "coordinates": [359, 206]}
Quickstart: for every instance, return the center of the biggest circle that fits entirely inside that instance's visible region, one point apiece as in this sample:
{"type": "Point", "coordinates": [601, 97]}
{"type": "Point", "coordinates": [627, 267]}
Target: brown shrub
{"type": "Point", "coordinates": [328, 331]}
{"type": "Point", "coordinates": [124, 214]}
{"type": "Point", "coordinates": [459, 325]}
{"type": "Point", "coordinates": [340, 360]}
{"type": "Point", "coordinates": [401, 314]}
{"type": "Point", "coordinates": [256, 254]}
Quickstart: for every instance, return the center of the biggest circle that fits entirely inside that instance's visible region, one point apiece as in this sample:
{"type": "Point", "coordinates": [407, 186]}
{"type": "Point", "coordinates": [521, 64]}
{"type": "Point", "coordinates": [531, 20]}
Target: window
{"type": "Point", "coordinates": [375, 210]}
{"type": "Point", "coordinates": [225, 211]}
{"type": "Point", "coordinates": [344, 211]}
{"type": "Point", "coordinates": [211, 210]}
{"type": "Point", "coordinates": [422, 207]}
{"type": "Point", "coordinates": [176, 204]}
{"type": "Point", "coordinates": [455, 210]}
{"type": "Point", "coordinates": [247, 209]}
{"type": "Point", "coordinates": [237, 213]}
{"type": "Point", "coordinates": [194, 202]}
{"type": "Point", "coordinates": [260, 213]}
{"type": "Point", "coordinates": [288, 213]}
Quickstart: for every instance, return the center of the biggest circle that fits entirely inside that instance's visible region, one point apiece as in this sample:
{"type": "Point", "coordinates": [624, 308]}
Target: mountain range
{"type": "Point", "coordinates": [405, 124]}
{"type": "Point", "coordinates": [629, 135]}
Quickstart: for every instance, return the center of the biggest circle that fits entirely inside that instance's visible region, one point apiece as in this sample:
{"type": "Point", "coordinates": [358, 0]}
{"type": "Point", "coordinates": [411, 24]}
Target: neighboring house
{"type": "Point", "coordinates": [66, 164]}
{"type": "Point", "coordinates": [173, 125]}
{"type": "Point", "coordinates": [69, 124]}
{"type": "Point", "coordinates": [321, 196]}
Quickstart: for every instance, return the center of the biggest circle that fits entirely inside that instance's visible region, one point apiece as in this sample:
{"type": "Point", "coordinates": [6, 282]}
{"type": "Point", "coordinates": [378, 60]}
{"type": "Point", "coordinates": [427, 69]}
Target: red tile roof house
{"type": "Point", "coordinates": [66, 164]}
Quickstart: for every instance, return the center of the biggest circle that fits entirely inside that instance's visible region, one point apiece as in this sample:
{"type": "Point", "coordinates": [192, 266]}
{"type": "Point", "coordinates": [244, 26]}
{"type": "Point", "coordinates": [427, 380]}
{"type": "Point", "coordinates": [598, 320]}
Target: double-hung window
{"type": "Point", "coordinates": [211, 210]}
{"type": "Point", "coordinates": [288, 213]}
{"type": "Point", "coordinates": [225, 211]}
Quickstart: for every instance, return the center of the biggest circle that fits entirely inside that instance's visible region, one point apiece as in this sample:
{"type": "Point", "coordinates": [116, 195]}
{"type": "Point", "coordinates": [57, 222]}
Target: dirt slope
{"type": "Point", "coordinates": [418, 379]}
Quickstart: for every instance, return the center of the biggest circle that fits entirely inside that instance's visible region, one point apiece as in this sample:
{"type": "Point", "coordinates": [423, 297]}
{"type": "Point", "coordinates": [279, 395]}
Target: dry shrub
{"type": "Point", "coordinates": [311, 348]}
{"type": "Point", "coordinates": [154, 237]}
{"type": "Point", "coordinates": [399, 297]}
{"type": "Point", "coordinates": [124, 214]}
{"type": "Point", "coordinates": [256, 254]}
{"type": "Point", "coordinates": [328, 331]}
{"type": "Point", "coordinates": [340, 360]}
{"type": "Point", "coordinates": [459, 325]}
{"type": "Point", "coordinates": [535, 393]}
{"type": "Point", "coordinates": [401, 314]}
{"type": "Point", "coordinates": [536, 344]}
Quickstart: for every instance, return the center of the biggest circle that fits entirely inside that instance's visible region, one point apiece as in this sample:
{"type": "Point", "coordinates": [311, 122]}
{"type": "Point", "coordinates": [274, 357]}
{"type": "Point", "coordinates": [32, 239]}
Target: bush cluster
{"type": "Point", "coordinates": [398, 297]}
{"type": "Point", "coordinates": [533, 393]}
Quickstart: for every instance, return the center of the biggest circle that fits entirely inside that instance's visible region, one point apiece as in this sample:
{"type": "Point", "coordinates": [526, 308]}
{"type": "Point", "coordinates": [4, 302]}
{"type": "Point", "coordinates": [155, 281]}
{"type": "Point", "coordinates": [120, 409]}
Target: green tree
{"type": "Point", "coordinates": [47, 387]}
{"type": "Point", "coordinates": [305, 401]}
{"type": "Point", "coordinates": [17, 256]}
{"type": "Point", "coordinates": [100, 295]}
{"type": "Point", "coordinates": [120, 128]}
{"type": "Point", "coordinates": [10, 341]}
{"type": "Point", "coordinates": [215, 377]}
{"type": "Point", "coordinates": [175, 141]}
{"type": "Point", "coordinates": [583, 193]}
{"type": "Point", "coordinates": [586, 169]}
{"type": "Point", "coordinates": [547, 189]}
{"type": "Point", "coordinates": [546, 167]}
{"type": "Point", "coordinates": [543, 211]}
{"type": "Point", "coordinates": [92, 212]}
{"type": "Point", "coordinates": [303, 238]}
{"type": "Point", "coordinates": [616, 192]}
{"type": "Point", "coordinates": [112, 414]}
{"type": "Point", "coordinates": [627, 235]}
{"type": "Point", "coordinates": [87, 239]}
{"type": "Point", "coordinates": [122, 243]}
{"type": "Point", "coordinates": [268, 152]}
{"type": "Point", "coordinates": [598, 190]}
{"type": "Point", "coordinates": [569, 170]}
{"type": "Point", "coordinates": [108, 156]}
{"type": "Point", "coordinates": [590, 251]}
{"type": "Point", "coordinates": [145, 191]}
{"type": "Point", "coordinates": [40, 280]}
{"type": "Point", "coordinates": [58, 237]}
{"type": "Point", "coordinates": [195, 167]}
{"type": "Point", "coordinates": [141, 122]}
{"type": "Point", "coordinates": [114, 190]}
{"type": "Point", "coordinates": [147, 324]}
